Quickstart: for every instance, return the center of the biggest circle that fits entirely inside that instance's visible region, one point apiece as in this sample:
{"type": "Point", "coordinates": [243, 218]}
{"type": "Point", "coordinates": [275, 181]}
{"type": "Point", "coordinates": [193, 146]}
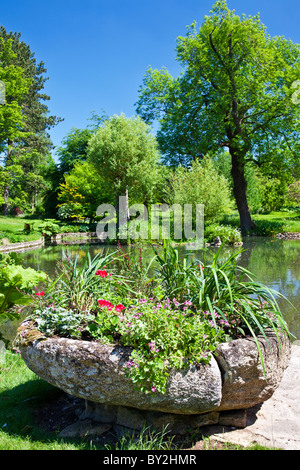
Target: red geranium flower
{"type": "Point", "coordinates": [105, 303]}
{"type": "Point", "coordinates": [119, 307]}
{"type": "Point", "coordinates": [101, 273]}
{"type": "Point", "coordinates": [40, 293]}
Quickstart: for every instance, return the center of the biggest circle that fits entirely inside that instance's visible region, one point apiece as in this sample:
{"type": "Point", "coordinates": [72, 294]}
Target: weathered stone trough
{"type": "Point", "coordinates": [234, 380]}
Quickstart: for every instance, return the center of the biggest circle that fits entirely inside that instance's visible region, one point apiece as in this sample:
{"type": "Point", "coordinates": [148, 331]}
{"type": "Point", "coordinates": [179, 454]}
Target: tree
{"type": "Point", "coordinates": [16, 85]}
{"type": "Point", "coordinates": [126, 155]}
{"type": "Point", "coordinates": [235, 92]}
{"type": "Point", "coordinates": [82, 192]}
{"type": "Point", "coordinates": [30, 120]}
{"type": "Point", "coordinates": [201, 184]}
{"type": "Point", "coordinates": [75, 144]}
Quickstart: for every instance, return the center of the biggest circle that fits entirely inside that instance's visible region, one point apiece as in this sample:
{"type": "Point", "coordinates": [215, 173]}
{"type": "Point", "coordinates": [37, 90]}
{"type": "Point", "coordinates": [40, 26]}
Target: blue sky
{"type": "Point", "coordinates": [97, 51]}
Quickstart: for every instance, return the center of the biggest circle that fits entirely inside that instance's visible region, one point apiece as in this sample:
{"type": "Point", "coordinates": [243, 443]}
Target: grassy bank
{"type": "Point", "coordinates": [12, 229]}
{"type": "Point", "coordinates": [270, 224]}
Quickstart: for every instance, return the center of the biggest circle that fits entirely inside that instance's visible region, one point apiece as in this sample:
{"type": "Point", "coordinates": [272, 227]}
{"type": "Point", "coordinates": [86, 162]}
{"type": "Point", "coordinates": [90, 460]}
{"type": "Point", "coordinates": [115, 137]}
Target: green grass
{"type": "Point", "coordinates": [21, 391]}
{"type": "Point", "coordinates": [12, 228]}
{"type": "Point", "coordinates": [22, 394]}
{"type": "Point", "coordinates": [270, 224]}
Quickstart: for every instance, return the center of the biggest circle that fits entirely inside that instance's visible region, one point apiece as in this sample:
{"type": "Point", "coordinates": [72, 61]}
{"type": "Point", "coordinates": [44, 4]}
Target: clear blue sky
{"type": "Point", "coordinates": [97, 51]}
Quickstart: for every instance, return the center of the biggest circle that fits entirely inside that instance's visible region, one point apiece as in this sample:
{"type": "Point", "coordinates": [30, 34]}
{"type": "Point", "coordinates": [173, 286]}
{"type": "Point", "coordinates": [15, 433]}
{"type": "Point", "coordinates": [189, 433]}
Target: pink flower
{"type": "Point", "coordinates": [101, 273]}
{"type": "Point", "coordinates": [39, 293]}
{"type": "Point", "coordinates": [153, 388]}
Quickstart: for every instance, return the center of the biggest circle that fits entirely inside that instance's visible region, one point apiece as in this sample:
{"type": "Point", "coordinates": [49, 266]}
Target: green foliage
{"type": "Point", "coordinates": [267, 228]}
{"type": "Point", "coordinates": [25, 121]}
{"type": "Point", "coordinates": [59, 321]}
{"type": "Point", "coordinates": [16, 85]}
{"type": "Point", "coordinates": [125, 153]}
{"type": "Point", "coordinates": [294, 192]}
{"type": "Point", "coordinates": [16, 286]}
{"type": "Point", "coordinates": [201, 184]}
{"type": "Point", "coordinates": [227, 233]}
{"type": "Point", "coordinates": [226, 289]}
{"type": "Point", "coordinates": [234, 91]}
{"type": "Point", "coordinates": [74, 149]}
{"type": "Point", "coordinates": [77, 287]}
{"type": "Point", "coordinates": [83, 190]}
{"type": "Point", "coordinates": [49, 227]}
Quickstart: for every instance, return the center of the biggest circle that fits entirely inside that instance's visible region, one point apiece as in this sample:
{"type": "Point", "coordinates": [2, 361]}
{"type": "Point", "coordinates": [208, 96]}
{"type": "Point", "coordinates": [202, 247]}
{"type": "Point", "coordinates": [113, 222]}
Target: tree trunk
{"type": "Point", "coordinates": [6, 188]}
{"type": "Point", "coordinates": [240, 192]}
{"type": "Point", "coordinates": [5, 204]}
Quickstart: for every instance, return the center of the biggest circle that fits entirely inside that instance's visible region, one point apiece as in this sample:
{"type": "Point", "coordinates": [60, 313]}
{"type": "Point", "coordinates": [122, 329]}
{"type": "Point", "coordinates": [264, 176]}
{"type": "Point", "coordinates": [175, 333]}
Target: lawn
{"type": "Point", "coordinates": [272, 223]}
{"type": "Point", "coordinates": [12, 228]}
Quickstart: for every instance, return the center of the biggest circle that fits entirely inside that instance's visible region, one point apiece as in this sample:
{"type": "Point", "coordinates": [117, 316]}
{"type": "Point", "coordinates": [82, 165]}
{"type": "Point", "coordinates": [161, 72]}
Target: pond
{"type": "Point", "coordinates": [275, 262]}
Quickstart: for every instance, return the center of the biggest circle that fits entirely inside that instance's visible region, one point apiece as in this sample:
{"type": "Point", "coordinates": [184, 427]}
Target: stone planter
{"type": "Point", "coordinates": [233, 380]}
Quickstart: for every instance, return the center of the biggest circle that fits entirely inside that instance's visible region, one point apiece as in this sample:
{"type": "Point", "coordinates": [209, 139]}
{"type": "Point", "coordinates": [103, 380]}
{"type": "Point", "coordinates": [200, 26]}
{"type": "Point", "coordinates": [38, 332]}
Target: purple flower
{"type": "Point", "coordinates": [152, 346]}
{"type": "Point", "coordinates": [131, 364]}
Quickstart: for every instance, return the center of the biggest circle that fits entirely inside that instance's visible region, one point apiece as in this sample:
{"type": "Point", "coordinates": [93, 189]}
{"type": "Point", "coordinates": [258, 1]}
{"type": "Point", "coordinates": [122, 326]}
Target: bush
{"type": "Point", "coordinates": [227, 233]}
{"type": "Point", "coordinates": [202, 184]}
{"type": "Point", "coordinates": [16, 286]}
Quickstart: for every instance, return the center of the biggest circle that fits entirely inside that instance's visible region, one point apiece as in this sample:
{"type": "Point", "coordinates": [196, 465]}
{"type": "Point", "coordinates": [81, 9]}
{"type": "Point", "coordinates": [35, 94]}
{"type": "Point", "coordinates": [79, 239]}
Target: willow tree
{"type": "Point", "coordinates": [125, 153]}
{"type": "Point", "coordinates": [234, 92]}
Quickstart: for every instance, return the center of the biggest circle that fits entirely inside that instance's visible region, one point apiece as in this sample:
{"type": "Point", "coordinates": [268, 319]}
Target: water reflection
{"type": "Point", "coordinates": [275, 262]}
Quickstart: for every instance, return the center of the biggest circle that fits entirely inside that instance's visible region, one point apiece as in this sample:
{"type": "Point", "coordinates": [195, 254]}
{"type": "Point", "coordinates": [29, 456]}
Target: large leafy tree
{"type": "Point", "coordinates": [126, 155]}
{"type": "Point", "coordinates": [234, 92]}
{"type": "Point", "coordinates": [14, 86]}
{"type": "Point", "coordinates": [30, 142]}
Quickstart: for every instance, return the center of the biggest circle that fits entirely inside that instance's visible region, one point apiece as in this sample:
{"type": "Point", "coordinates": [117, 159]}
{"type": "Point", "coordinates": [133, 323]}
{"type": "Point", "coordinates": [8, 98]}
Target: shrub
{"type": "Point", "coordinates": [201, 184]}
{"type": "Point", "coordinates": [227, 233]}
{"type": "Point", "coordinates": [16, 285]}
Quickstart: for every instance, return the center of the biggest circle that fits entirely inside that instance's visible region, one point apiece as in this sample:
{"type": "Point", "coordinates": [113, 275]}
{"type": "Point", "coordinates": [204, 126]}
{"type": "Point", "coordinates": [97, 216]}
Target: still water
{"type": "Point", "coordinates": [276, 263]}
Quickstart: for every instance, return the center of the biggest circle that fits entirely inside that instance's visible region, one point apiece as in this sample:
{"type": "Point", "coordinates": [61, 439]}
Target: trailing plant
{"type": "Point", "coordinates": [163, 336]}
